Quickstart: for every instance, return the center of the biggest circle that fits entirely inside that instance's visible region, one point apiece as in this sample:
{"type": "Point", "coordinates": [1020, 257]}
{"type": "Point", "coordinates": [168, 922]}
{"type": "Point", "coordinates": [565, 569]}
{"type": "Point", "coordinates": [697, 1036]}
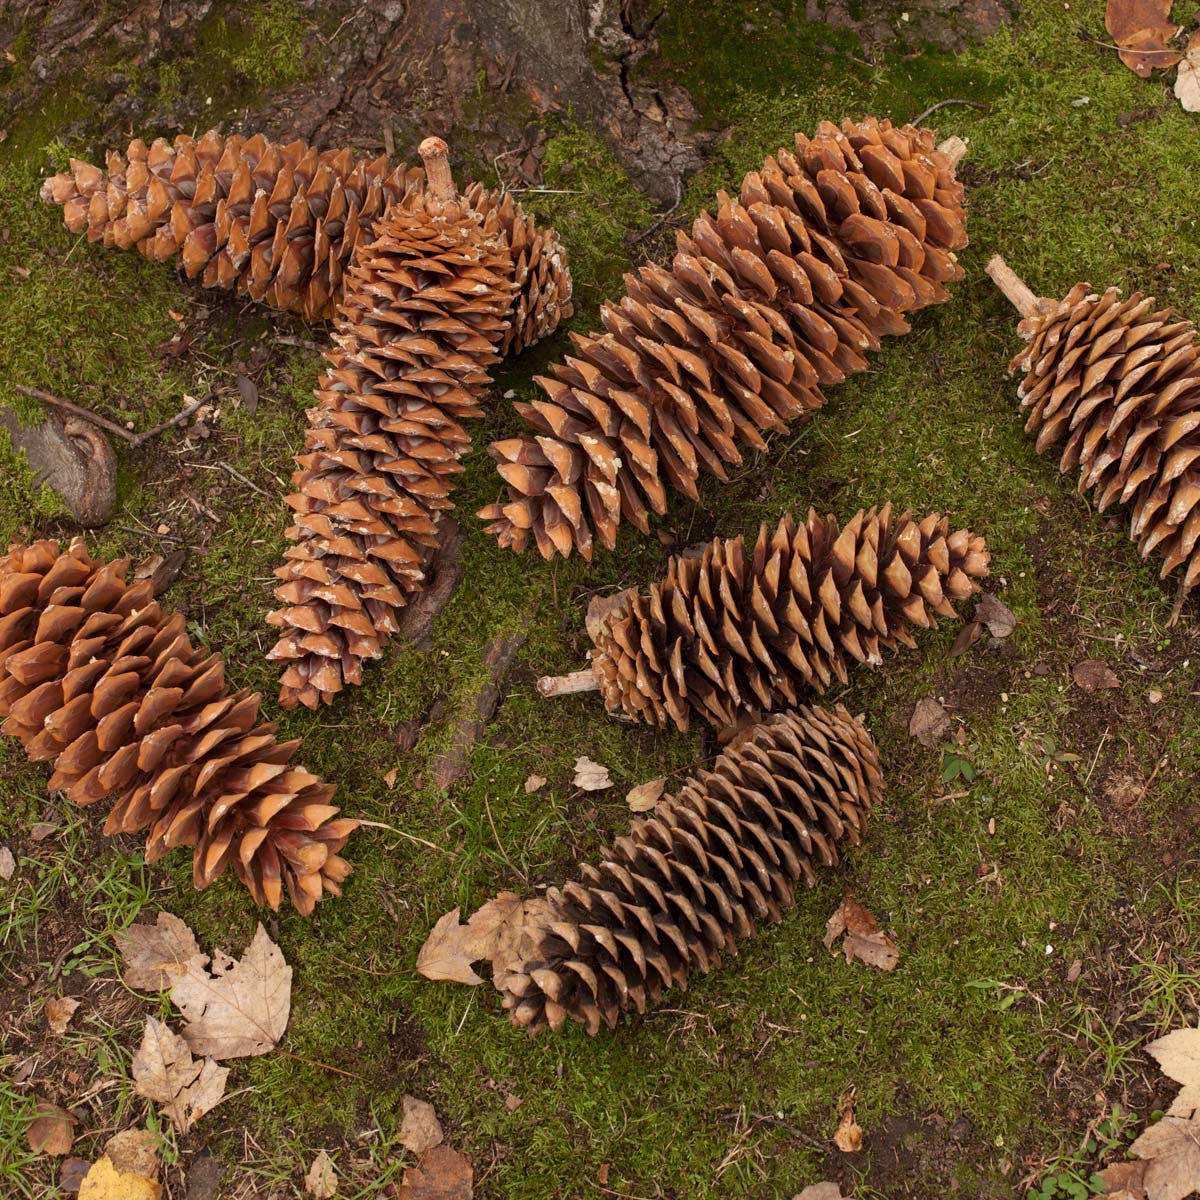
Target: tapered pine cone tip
{"type": "Point", "coordinates": [726, 852]}
{"type": "Point", "coordinates": [96, 678]}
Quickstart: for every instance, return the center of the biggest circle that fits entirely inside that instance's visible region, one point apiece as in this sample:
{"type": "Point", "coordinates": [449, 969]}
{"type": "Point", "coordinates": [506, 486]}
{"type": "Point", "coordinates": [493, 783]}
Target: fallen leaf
{"type": "Point", "coordinates": [236, 1008]}
{"type": "Point", "coordinates": [162, 572]}
{"type": "Point", "coordinates": [646, 796]}
{"type": "Point", "coordinates": [39, 831]}
{"type": "Point", "coordinates": [930, 722]}
{"type": "Point", "coordinates": [248, 390]}
{"type": "Point", "coordinates": [1187, 81]}
{"type": "Point", "coordinates": [602, 1174]}
{"type": "Point", "coordinates": [512, 1103]}
{"type": "Point", "coordinates": [1142, 29]}
{"type": "Point", "coordinates": [442, 1174]}
{"type": "Point", "coordinates": [996, 615]}
{"type": "Point", "coordinates": [533, 783]}
{"type": "Point", "coordinates": [390, 777]}
{"type": "Point", "coordinates": [1178, 1056]}
{"type": "Point", "coordinates": [321, 1181]}
{"type": "Point", "coordinates": [1094, 675]}
{"type": "Point", "coordinates": [968, 635]}
{"type": "Point", "coordinates": [1171, 1150]}
{"type": "Point", "coordinates": [498, 931]}
{"type": "Point", "coordinates": [59, 1012]}
{"type": "Point", "coordinates": [106, 1182]}
{"type": "Point", "coordinates": [134, 1151]}
{"type": "Point", "coordinates": [71, 1174]}
{"type": "Point", "coordinates": [864, 940]}
{"type": "Point", "coordinates": [1147, 51]}
{"type": "Point", "coordinates": [52, 1131]}
{"type": "Point", "coordinates": [1123, 1181]}
{"type": "Point", "coordinates": [155, 955]}
{"type": "Point", "coordinates": [848, 1137]}
{"type": "Point", "coordinates": [1074, 970]}
{"type": "Point", "coordinates": [591, 776]}
{"type": "Point", "coordinates": [820, 1191]}
{"type": "Point", "coordinates": [165, 1071]}
{"type": "Point", "coordinates": [420, 1130]}
{"type": "Point", "coordinates": [8, 864]}
{"type": "Point", "coordinates": [204, 1177]}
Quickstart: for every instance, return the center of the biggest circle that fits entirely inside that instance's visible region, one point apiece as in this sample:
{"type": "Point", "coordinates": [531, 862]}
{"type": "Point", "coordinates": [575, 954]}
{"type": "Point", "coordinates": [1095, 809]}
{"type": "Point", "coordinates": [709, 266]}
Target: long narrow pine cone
{"type": "Point", "coordinates": [729, 633]}
{"type": "Point", "coordinates": [781, 293]}
{"type": "Point", "coordinates": [425, 312]}
{"type": "Point", "coordinates": [722, 855]}
{"type": "Point", "coordinates": [281, 222]}
{"type": "Point", "coordinates": [1116, 384]}
{"type": "Point", "coordinates": [98, 680]}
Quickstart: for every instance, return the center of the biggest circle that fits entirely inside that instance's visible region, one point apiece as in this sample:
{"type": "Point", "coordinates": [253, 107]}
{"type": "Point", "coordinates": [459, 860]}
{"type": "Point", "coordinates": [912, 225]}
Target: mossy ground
{"type": "Point", "coordinates": [976, 1063]}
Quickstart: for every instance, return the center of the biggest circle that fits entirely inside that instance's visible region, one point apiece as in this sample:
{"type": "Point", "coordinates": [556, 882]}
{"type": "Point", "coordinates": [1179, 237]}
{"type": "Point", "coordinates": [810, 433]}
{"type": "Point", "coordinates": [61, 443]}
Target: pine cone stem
{"type": "Point", "coordinates": [1016, 291]}
{"type": "Point", "coordinates": [566, 685]}
{"type": "Point", "coordinates": [435, 154]}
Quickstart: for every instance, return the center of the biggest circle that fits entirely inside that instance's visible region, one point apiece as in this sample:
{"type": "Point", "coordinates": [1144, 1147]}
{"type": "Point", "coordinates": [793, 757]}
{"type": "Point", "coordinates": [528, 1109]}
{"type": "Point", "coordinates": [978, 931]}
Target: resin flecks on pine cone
{"type": "Point", "coordinates": [1117, 385]}
{"type": "Point", "coordinates": [725, 853]}
{"type": "Point", "coordinates": [98, 680]}
{"type": "Point", "coordinates": [735, 631]}
{"type": "Point", "coordinates": [423, 316]}
{"type": "Point", "coordinates": [780, 293]}
{"type": "Point", "coordinates": [281, 222]}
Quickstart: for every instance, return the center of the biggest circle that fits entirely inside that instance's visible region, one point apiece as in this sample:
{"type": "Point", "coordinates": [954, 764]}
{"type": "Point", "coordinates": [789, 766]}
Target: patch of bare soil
{"type": "Point", "coordinates": [947, 24]}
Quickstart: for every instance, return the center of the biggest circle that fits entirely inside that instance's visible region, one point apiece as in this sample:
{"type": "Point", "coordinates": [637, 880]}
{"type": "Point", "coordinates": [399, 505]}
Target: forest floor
{"type": "Point", "coordinates": [1045, 900]}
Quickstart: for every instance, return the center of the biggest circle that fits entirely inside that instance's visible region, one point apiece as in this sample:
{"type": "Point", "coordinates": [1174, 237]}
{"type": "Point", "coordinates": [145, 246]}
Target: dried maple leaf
{"type": "Point", "coordinates": [1142, 28]}
{"type": "Point", "coordinates": [155, 954]}
{"type": "Point", "coordinates": [591, 776]}
{"type": "Point", "coordinates": [420, 1129]}
{"type": "Point", "coordinates": [165, 1071]}
{"type": "Point", "coordinates": [1178, 1056]}
{"type": "Point", "coordinates": [1094, 675]}
{"type": "Point", "coordinates": [864, 940]}
{"type": "Point", "coordinates": [646, 796]}
{"type": "Point", "coordinates": [237, 1008]}
{"type": "Point", "coordinates": [930, 722]}
{"type": "Point", "coordinates": [59, 1012]}
{"type": "Point", "coordinates": [1171, 1150]}
{"type": "Point", "coordinates": [495, 932]}
{"type": "Point", "coordinates": [321, 1181]}
{"type": "Point", "coordinates": [52, 1131]}
{"type": "Point", "coordinates": [1123, 1181]}
{"type": "Point", "coordinates": [442, 1174]}
{"type": "Point", "coordinates": [1187, 81]}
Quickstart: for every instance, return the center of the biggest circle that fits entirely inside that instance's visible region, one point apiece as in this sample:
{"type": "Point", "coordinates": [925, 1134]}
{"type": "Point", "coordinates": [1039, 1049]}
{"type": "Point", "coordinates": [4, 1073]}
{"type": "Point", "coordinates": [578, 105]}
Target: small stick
{"type": "Point", "coordinates": [942, 104]}
{"type": "Point", "coordinates": [58, 402]}
{"type": "Point", "coordinates": [435, 154]}
{"type": "Point", "coordinates": [1016, 290]}
{"type": "Point", "coordinates": [177, 419]}
{"type": "Point", "coordinates": [565, 685]}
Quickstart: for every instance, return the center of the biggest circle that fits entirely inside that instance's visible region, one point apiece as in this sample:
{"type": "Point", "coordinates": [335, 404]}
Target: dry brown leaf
{"type": "Point", "coordinates": [52, 1131]}
{"type": "Point", "coordinates": [646, 796]}
{"type": "Point", "coordinates": [420, 1129]}
{"type": "Point", "coordinates": [1142, 28]}
{"type": "Point", "coordinates": [134, 1151]}
{"type": "Point", "coordinates": [533, 783]}
{"type": "Point", "coordinates": [930, 722]}
{"type": "Point", "coordinates": [1123, 1181]}
{"type": "Point", "coordinates": [156, 954]}
{"type": "Point", "coordinates": [39, 831]}
{"type": "Point", "coordinates": [591, 776]}
{"type": "Point", "coordinates": [165, 1071]}
{"type": "Point", "coordinates": [1187, 81]}
{"type": "Point", "coordinates": [321, 1181]}
{"type": "Point", "coordinates": [442, 1174]}
{"type": "Point", "coordinates": [8, 864]}
{"type": "Point", "coordinates": [496, 932]}
{"type": "Point", "coordinates": [105, 1181]}
{"type": "Point", "coordinates": [1171, 1150]}
{"type": "Point", "coordinates": [236, 1008]}
{"type": "Point", "coordinates": [968, 635]}
{"type": "Point", "coordinates": [71, 1174]}
{"type": "Point", "coordinates": [848, 1137]}
{"type": "Point", "coordinates": [389, 777]}
{"type": "Point", "coordinates": [1178, 1056]}
{"type": "Point", "coordinates": [59, 1012]}
{"type": "Point", "coordinates": [996, 615]}
{"type": "Point", "coordinates": [864, 940]}
{"type": "Point", "coordinates": [820, 1191]}
{"type": "Point", "coordinates": [1093, 674]}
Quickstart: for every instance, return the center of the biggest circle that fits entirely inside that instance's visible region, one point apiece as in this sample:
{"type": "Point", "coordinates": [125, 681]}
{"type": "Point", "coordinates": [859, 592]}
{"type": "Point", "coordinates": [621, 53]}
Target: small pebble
{"type": "Point", "coordinates": [1154, 696]}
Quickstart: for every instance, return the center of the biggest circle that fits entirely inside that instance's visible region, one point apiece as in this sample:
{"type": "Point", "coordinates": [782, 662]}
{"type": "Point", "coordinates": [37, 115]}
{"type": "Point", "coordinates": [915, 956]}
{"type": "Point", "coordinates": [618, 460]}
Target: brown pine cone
{"type": "Point", "coordinates": [727, 851]}
{"type": "Point", "coordinates": [764, 304]}
{"type": "Point", "coordinates": [96, 678]}
{"type": "Point", "coordinates": [730, 632]}
{"type": "Point", "coordinates": [281, 222]}
{"type": "Point", "coordinates": [425, 311]}
{"type": "Point", "coordinates": [1118, 387]}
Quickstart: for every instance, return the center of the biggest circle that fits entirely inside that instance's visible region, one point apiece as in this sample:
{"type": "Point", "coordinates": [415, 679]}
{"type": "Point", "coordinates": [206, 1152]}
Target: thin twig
{"type": "Point", "coordinates": [641, 237]}
{"type": "Point", "coordinates": [286, 339]}
{"type": "Point", "coordinates": [312, 1062]}
{"type": "Point", "coordinates": [177, 419]}
{"type": "Point", "coordinates": [412, 837]}
{"type": "Point", "coordinates": [242, 479]}
{"type": "Point", "coordinates": [942, 104]}
{"type": "Point", "coordinates": [78, 410]}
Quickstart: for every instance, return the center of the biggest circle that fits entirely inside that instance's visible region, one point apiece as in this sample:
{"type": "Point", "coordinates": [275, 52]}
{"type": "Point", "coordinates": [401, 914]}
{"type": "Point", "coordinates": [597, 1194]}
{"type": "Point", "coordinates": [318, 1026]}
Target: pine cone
{"type": "Point", "coordinates": [675, 895]}
{"type": "Point", "coordinates": [96, 677]}
{"type": "Point", "coordinates": [281, 222]}
{"type": "Point", "coordinates": [1119, 387]}
{"type": "Point", "coordinates": [424, 313]}
{"type": "Point", "coordinates": [729, 632]}
{"type": "Point", "coordinates": [777, 296]}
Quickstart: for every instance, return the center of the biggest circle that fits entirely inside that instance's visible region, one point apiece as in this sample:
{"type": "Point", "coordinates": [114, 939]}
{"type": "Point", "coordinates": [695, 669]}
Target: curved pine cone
{"type": "Point", "coordinates": [726, 852]}
{"type": "Point", "coordinates": [424, 313]}
{"type": "Point", "coordinates": [779, 294]}
{"type": "Point", "coordinates": [96, 678]}
{"type": "Point", "coordinates": [729, 632]}
{"type": "Point", "coordinates": [1118, 386]}
{"type": "Point", "coordinates": [281, 222]}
